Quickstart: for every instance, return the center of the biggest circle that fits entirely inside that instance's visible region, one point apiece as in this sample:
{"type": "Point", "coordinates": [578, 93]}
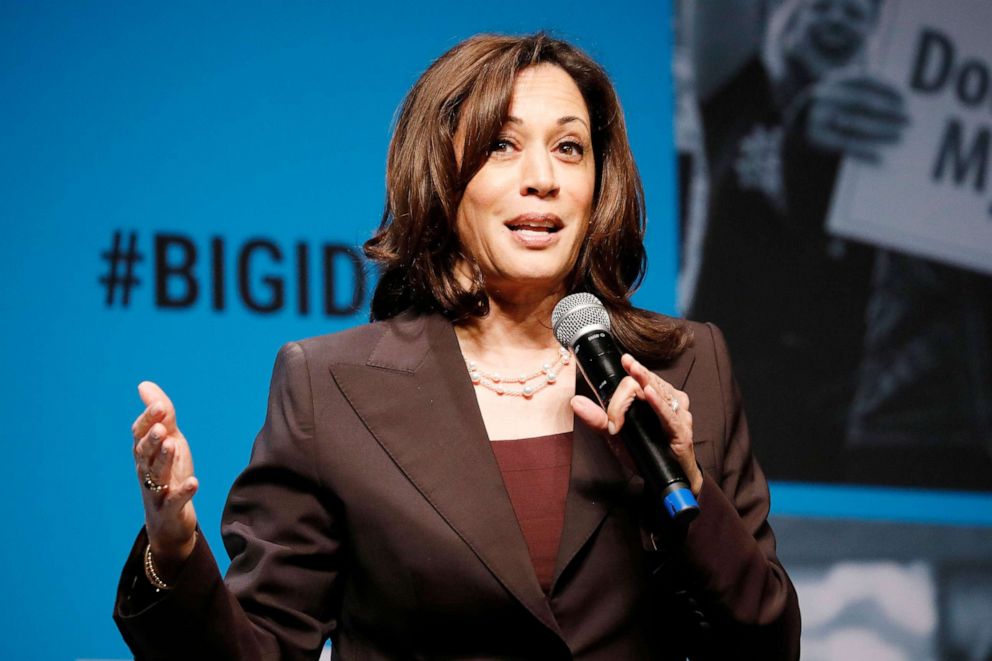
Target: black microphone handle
{"type": "Point", "coordinates": [642, 433]}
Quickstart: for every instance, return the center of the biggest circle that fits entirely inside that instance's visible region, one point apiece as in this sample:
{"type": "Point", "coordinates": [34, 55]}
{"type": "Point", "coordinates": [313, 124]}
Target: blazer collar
{"type": "Point", "coordinates": [415, 396]}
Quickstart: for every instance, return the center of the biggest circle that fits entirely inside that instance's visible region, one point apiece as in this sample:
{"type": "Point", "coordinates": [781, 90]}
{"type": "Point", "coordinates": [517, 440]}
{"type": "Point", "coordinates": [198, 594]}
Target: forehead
{"type": "Point", "coordinates": [546, 90]}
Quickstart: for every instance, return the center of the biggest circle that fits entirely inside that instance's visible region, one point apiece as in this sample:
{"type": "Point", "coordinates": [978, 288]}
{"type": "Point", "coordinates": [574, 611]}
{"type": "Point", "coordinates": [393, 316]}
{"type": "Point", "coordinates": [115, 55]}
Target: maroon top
{"type": "Point", "coordinates": [536, 472]}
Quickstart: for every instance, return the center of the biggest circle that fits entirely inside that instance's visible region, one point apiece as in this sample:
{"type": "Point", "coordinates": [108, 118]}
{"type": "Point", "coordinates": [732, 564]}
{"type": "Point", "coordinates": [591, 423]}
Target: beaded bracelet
{"type": "Point", "coordinates": [150, 572]}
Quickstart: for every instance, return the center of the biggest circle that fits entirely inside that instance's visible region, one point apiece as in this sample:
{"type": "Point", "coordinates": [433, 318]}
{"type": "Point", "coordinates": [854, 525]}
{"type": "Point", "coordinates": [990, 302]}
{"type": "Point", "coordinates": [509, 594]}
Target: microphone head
{"type": "Point", "coordinates": [577, 314]}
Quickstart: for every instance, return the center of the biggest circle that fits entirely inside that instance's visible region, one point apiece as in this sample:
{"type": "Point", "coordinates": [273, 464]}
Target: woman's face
{"type": "Point", "coordinates": [524, 215]}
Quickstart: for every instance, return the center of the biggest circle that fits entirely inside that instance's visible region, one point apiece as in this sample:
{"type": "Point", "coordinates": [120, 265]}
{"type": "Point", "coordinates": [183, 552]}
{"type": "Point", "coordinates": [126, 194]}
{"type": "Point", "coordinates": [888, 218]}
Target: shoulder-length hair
{"type": "Point", "coordinates": [416, 247]}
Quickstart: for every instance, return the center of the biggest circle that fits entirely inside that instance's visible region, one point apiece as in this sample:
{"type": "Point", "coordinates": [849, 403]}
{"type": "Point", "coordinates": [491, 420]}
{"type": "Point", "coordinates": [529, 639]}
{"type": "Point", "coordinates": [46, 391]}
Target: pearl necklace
{"type": "Point", "coordinates": [496, 382]}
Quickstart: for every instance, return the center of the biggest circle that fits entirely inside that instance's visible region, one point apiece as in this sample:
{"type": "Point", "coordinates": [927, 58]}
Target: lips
{"type": "Point", "coordinates": [535, 231]}
{"type": "Point", "coordinates": [547, 223]}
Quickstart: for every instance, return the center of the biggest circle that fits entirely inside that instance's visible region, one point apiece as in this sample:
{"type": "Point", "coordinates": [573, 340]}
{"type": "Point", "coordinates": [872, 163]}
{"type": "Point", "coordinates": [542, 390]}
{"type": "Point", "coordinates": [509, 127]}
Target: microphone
{"type": "Point", "coordinates": [580, 323]}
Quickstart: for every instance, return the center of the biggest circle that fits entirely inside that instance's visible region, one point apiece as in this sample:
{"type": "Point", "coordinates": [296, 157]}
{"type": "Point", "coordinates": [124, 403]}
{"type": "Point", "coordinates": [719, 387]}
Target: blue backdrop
{"type": "Point", "coordinates": [243, 128]}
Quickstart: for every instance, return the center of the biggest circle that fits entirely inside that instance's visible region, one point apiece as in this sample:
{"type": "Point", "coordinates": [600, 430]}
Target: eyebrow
{"type": "Point", "coordinates": [561, 120]}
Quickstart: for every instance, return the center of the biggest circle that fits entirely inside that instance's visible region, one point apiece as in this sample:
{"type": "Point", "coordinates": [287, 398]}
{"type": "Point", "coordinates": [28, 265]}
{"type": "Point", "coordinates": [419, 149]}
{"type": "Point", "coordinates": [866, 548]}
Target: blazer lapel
{"type": "Point", "coordinates": [414, 395]}
{"type": "Point", "coordinates": [596, 482]}
{"type": "Point", "coordinates": [598, 479]}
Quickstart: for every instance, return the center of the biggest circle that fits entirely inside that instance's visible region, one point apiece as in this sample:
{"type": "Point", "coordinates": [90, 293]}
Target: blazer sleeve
{"type": "Point", "coordinates": [730, 546]}
{"type": "Point", "coordinates": [280, 528]}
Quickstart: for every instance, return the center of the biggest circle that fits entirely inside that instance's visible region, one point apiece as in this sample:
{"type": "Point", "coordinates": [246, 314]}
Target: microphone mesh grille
{"type": "Point", "coordinates": [576, 312]}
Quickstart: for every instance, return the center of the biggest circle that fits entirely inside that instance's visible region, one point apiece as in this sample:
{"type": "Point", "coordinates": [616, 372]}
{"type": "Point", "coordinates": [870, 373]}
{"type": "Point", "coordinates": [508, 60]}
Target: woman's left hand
{"type": "Point", "coordinates": [671, 406]}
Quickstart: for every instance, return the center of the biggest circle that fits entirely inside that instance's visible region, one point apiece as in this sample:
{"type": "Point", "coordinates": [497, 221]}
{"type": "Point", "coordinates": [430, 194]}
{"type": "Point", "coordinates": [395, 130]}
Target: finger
{"type": "Point", "coordinates": [852, 126]}
{"type": "Point", "coordinates": [662, 405]}
{"type": "Point", "coordinates": [590, 412]}
{"type": "Point", "coordinates": [641, 374]}
{"type": "Point", "coordinates": [672, 408]}
{"type": "Point", "coordinates": [873, 95]}
{"type": "Point", "coordinates": [153, 413]}
{"type": "Point", "coordinates": [670, 401]}
{"type": "Point", "coordinates": [148, 447]}
{"type": "Point", "coordinates": [160, 466]}
{"type": "Point", "coordinates": [176, 498]}
{"type": "Point", "coordinates": [872, 105]}
{"type": "Point", "coordinates": [679, 425]}
{"type": "Point", "coordinates": [646, 377]}
{"type": "Point", "coordinates": [151, 394]}
{"type": "Point", "coordinates": [872, 85]}
{"type": "Point", "coordinates": [626, 392]}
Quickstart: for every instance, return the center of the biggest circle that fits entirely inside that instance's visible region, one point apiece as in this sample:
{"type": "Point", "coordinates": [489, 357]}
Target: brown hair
{"type": "Point", "coordinates": [416, 246]}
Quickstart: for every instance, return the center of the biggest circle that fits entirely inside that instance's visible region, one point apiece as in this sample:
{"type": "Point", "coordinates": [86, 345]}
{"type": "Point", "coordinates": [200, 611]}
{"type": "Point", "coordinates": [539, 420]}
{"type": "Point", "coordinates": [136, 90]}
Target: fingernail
{"type": "Point", "coordinates": [611, 427]}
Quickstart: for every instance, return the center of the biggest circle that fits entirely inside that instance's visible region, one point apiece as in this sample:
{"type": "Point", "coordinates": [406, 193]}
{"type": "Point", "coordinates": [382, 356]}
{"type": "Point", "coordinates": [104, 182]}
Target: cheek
{"type": "Point", "coordinates": [485, 190]}
{"type": "Point", "coordinates": [585, 192]}
{"type": "Point", "coordinates": [466, 230]}
{"type": "Point", "coordinates": [472, 220]}
{"type": "Point", "coordinates": [479, 204]}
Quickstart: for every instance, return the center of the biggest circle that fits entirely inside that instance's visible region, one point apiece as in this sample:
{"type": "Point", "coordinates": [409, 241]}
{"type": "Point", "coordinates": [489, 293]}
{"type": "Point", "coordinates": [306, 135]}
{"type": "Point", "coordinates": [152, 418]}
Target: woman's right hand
{"type": "Point", "coordinates": [162, 457]}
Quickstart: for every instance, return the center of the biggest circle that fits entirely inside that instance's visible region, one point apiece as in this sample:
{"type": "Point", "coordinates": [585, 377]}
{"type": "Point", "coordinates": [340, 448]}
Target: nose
{"type": "Point", "coordinates": [537, 176]}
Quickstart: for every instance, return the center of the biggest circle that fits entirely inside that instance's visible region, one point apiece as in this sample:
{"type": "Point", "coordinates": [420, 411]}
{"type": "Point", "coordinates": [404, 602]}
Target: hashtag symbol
{"type": "Point", "coordinates": [114, 257]}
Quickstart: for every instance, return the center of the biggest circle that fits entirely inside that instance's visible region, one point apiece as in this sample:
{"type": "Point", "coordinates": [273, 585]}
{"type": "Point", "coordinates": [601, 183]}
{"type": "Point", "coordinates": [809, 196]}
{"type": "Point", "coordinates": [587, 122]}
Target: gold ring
{"type": "Point", "coordinates": [151, 485]}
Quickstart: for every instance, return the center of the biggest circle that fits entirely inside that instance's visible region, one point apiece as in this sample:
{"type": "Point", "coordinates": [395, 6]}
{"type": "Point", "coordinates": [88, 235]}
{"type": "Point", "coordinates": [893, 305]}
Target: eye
{"type": "Point", "coordinates": [501, 146]}
{"type": "Point", "coordinates": [571, 148]}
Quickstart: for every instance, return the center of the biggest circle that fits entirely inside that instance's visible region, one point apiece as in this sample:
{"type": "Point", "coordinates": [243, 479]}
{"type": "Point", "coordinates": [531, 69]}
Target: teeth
{"type": "Point", "coordinates": [536, 228]}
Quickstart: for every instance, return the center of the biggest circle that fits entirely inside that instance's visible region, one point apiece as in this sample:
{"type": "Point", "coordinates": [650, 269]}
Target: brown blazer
{"type": "Point", "coordinates": [373, 512]}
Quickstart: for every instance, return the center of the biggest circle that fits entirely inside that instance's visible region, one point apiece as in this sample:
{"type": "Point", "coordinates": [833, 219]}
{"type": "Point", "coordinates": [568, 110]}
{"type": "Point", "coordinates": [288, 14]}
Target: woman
{"type": "Point", "coordinates": [404, 499]}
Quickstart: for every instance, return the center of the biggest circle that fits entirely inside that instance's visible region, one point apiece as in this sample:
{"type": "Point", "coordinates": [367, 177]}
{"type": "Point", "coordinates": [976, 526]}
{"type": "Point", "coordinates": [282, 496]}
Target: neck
{"type": "Point", "coordinates": [513, 331]}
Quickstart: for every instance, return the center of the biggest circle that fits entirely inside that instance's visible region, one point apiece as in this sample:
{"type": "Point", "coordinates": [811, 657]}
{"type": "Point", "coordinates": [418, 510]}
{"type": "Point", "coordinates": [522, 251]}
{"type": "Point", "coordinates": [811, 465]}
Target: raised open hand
{"type": "Point", "coordinates": [164, 466]}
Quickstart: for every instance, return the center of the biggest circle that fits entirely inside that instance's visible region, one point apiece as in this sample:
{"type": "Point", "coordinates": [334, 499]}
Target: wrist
{"type": "Point", "coordinates": [167, 560]}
